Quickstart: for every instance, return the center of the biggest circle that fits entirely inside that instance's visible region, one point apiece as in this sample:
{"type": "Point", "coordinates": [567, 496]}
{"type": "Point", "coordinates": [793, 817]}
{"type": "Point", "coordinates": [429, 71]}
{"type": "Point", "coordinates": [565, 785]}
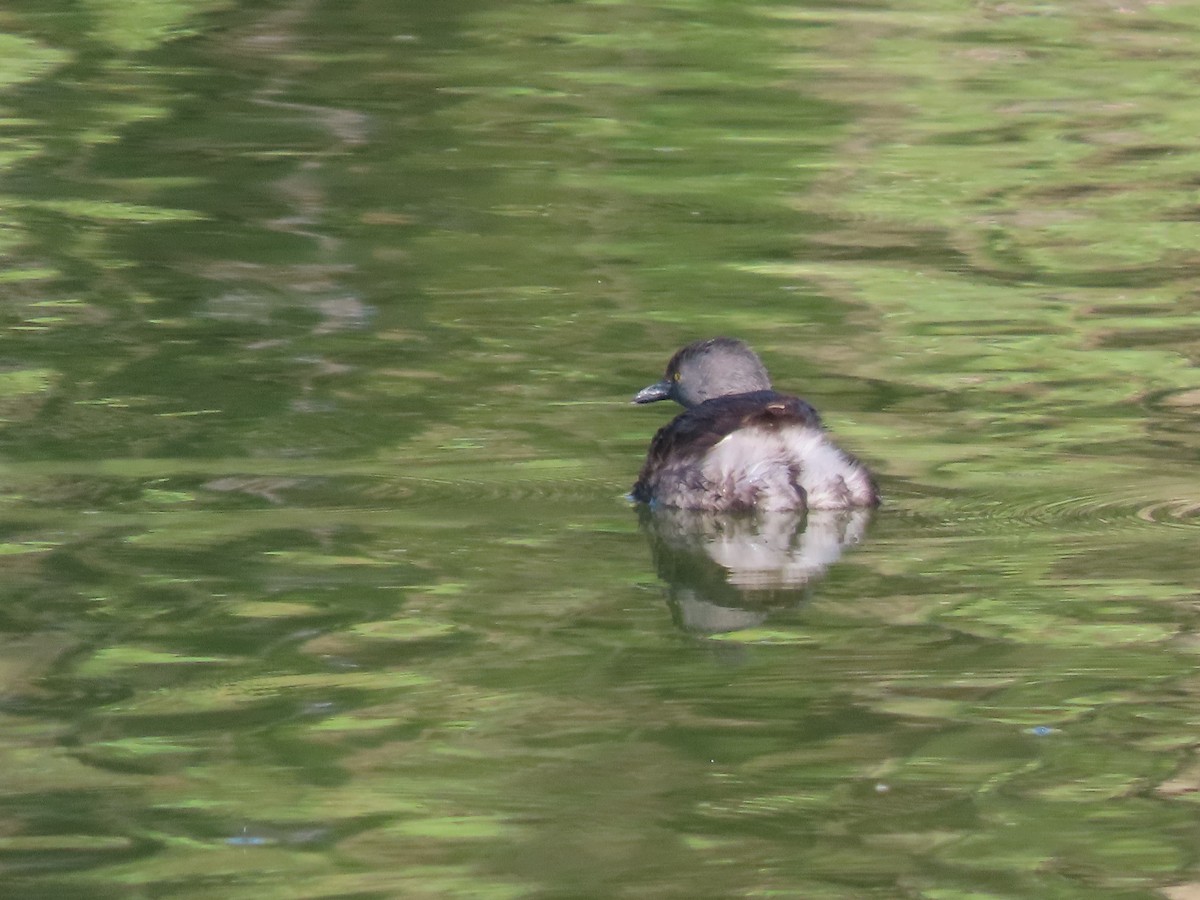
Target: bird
{"type": "Point", "coordinates": [740, 445]}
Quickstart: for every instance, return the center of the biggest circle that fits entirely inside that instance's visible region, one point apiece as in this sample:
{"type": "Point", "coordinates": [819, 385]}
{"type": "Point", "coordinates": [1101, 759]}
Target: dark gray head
{"type": "Point", "coordinates": [706, 369]}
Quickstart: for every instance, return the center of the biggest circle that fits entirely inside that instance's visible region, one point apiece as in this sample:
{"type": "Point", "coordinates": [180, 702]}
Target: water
{"type": "Point", "coordinates": [320, 325]}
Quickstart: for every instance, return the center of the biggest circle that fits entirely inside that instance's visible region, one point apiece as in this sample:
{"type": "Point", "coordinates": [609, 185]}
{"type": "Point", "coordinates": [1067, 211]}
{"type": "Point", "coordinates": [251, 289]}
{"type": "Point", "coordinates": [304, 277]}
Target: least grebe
{"type": "Point", "coordinates": [739, 444]}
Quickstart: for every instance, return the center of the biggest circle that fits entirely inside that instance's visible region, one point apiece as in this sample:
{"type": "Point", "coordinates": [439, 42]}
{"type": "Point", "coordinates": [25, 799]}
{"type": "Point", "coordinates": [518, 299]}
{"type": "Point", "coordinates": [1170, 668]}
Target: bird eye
{"type": "Point", "coordinates": [676, 376]}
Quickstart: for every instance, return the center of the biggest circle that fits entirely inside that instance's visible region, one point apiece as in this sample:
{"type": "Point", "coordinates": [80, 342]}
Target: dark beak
{"type": "Point", "coordinates": [658, 391]}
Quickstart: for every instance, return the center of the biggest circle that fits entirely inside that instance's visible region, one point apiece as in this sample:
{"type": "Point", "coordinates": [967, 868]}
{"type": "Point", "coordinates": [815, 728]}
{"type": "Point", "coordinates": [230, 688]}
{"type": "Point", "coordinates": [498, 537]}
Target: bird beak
{"type": "Point", "coordinates": [659, 391]}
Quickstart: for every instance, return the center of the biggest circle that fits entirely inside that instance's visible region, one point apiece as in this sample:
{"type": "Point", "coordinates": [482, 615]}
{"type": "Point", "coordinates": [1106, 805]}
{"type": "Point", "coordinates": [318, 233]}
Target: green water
{"type": "Point", "coordinates": [319, 327]}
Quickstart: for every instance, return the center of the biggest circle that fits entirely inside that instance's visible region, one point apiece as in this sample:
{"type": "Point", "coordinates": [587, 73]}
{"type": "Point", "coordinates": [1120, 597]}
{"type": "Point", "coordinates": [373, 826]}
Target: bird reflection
{"type": "Point", "coordinates": [726, 572]}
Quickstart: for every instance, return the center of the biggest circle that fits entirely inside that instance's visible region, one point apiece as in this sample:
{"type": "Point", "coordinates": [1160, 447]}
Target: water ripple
{"type": "Point", "coordinates": [1095, 512]}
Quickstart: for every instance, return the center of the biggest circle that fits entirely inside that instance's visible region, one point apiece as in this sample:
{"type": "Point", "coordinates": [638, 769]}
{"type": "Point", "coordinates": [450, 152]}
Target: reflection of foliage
{"type": "Point", "coordinates": [1015, 206]}
{"type": "Point", "coordinates": [21, 60]}
{"type": "Point", "coordinates": [137, 25]}
{"type": "Point", "coordinates": [315, 572]}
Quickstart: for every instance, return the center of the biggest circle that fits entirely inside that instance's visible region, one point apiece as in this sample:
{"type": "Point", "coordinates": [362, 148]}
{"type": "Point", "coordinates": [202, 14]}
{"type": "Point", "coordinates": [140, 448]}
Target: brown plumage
{"type": "Point", "coordinates": [741, 445]}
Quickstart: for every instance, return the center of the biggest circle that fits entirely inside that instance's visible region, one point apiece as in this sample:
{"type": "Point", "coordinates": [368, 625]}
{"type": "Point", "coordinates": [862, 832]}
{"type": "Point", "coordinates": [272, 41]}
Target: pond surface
{"type": "Point", "coordinates": [320, 323]}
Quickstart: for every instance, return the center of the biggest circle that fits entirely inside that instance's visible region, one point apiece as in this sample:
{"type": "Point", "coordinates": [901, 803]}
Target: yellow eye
{"type": "Point", "coordinates": [675, 376]}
